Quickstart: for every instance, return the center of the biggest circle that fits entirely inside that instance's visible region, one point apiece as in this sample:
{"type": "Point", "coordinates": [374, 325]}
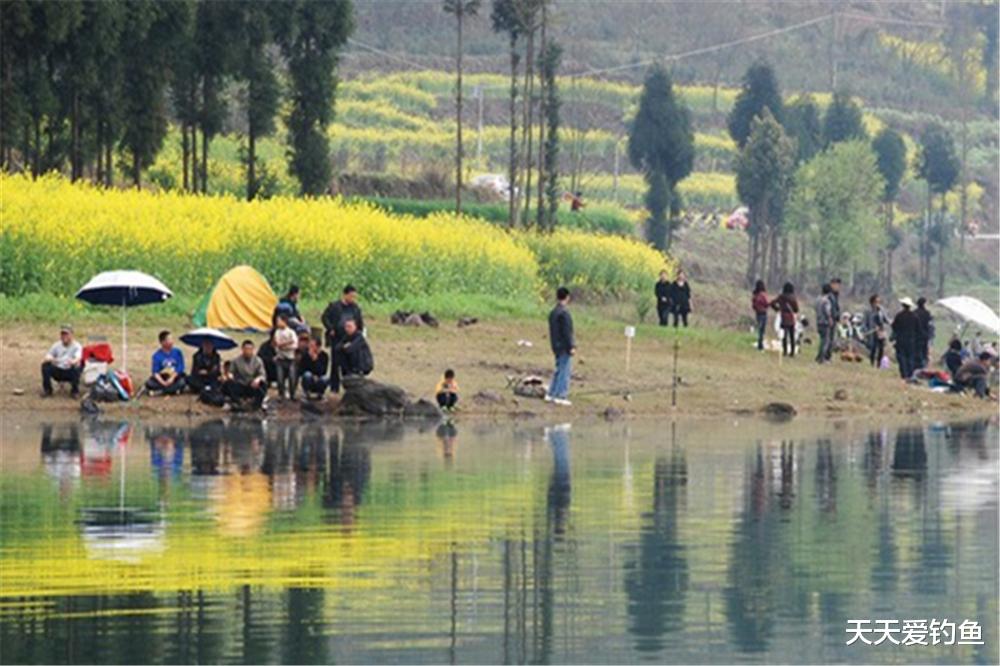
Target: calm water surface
{"type": "Point", "coordinates": [648, 541]}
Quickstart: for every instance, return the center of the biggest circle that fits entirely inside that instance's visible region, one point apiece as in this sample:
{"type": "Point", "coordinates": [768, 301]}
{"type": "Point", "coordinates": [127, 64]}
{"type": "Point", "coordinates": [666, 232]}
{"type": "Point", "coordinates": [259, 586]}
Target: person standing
{"type": "Point", "coordinates": [334, 317]}
{"type": "Point", "coordinates": [680, 299]}
{"type": "Point", "coordinates": [788, 310]}
{"type": "Point", "coordinates": [662, 291]}
{"type": "Point", "coordinates": [286, 344]}
{"type": "Point", "coordinates": [925, 334]}
{"type": "Point", "coordinates": [62, 363]}
{"type": "Point", "coordinates": [824, 324]}
{"type": "Point", "coordinates": [875, 323]}
{"type": "Point", "coordinates": [905, 336]}
{"type": "Point", "coordinates": [760, 303]}
{"type": "Point", "coordinates": [563, 348]}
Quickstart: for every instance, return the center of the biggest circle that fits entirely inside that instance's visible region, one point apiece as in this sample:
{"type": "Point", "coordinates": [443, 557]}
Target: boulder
{"type": "Point", "coordinates": [367, 397]}
{"type": "Point", "coordinates": [531, 386]}
{"type": "Point", "coordinates": [485, 397]}
{"type": "Point", "coordinates": [422, 409]}
{"type": "Point", "coordinates": [779, 411]}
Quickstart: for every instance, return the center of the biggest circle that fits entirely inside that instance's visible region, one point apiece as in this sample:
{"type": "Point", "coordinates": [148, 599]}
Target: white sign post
{"type": "Point", "coordinates": [629, 334]}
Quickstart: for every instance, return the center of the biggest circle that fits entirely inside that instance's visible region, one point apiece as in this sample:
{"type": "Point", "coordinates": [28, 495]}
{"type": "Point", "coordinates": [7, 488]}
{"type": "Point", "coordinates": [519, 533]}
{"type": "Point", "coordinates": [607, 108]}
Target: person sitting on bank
{"type": "Point", "coordinates": [62, 363]}
{"type": "Point", "coordinates": [353, 354]}
{"type": "Point", "coordinates": [953, 358]}
{"type": "Point", "coordinates": [662, 291]}
{"type": "Point", "coordinates": [313, 364]}
{"type": "Point", "coordinates": [680, 299]}
{"type": "Point", "coordinates": [168, 368]}
{"type": "Point", "coordinates": [246, 378]}
{"type": "Point", "coordinates": [206, 369]}
{"type": "Point", "coordinates": [974, 375]}
{"type": "Point", "coordinates": [286, 343]}
{"type": "Point", "coordinates": [446, 391]}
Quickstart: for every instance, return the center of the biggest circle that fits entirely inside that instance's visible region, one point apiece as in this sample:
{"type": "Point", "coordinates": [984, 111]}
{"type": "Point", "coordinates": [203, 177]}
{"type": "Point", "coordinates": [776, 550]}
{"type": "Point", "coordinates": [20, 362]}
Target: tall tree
{"type": "Point", "coordinates": [763, 179]}
{"type": "Point", "coordinates": [310, 35]}
{"type": "Point", "coordinates": [661, 145]}
{"type": "Point", "coordinates": [843, 120]}
{"type": "Point", "coordinates": [459, 9]}
{"type": "Point", "coordinates": [759, 91]}
{"type": "Point", "coordinates": [506, 18]}
{"type": "Point", "coordinates": [939, 167]}
{"type": "Point", "coordinates": [263, 91]}
{"type": "Point", "coordinates": [890, 154]}
{"type": "Point", "coordinates": [215, 24]}
{"type": "Point", "coordinates": [549, 164]}
{"type": "Point", "coordinates": [802, 122]}
{"type": "Point", "coordinates": [835, 202]}
{"type": "Point", "coordinates": [148, 40]}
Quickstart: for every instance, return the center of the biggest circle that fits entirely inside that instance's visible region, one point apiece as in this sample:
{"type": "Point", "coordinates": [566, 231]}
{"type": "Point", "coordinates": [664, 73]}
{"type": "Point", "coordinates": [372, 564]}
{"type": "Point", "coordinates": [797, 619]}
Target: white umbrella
{"type": "Point", "coordinates": [124, 288]}
{"type": "Point", "coordinates": [973, 311]}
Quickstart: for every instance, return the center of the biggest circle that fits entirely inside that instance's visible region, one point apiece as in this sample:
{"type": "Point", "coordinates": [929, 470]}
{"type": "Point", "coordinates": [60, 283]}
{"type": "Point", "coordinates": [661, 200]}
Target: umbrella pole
{"type": "Point", "coordinates": [124, 340]}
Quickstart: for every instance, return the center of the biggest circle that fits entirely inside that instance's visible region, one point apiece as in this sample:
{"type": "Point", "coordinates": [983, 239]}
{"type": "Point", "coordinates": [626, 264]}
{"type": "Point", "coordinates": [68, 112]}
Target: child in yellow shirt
{"type": "Point", "coordinates": [447, 391]}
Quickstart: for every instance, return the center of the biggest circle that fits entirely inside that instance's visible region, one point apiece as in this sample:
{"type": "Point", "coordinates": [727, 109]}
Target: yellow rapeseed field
{"type": "Point", "coordinates": [55, 235]}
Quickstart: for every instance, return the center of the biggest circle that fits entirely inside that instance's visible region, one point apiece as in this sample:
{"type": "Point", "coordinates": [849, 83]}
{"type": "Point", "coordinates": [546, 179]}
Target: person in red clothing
{"type": "Point", "coordinates": [760, 304]}
{"type": "Point", "coordinates": [788, 306]}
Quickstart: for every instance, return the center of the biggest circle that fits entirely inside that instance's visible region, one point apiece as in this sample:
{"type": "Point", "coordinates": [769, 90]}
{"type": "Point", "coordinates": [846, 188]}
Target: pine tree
{"type": "Point", "coordinates": [802, 123]}
{"type": "Point", "coordinates": [661, 145]}
{"type": "Point", "coordinates": [758, 92]}
{"type": "Point", "coordinates": [843, 120]}
{"type": "Point", "coordinates": [939, 167]}
{"type": "Point", "coordinates": [460, 9]}
{"type": "Point", "coordinates": [890, 153]}
{"type": "Point", "coordinates": [310, 35]}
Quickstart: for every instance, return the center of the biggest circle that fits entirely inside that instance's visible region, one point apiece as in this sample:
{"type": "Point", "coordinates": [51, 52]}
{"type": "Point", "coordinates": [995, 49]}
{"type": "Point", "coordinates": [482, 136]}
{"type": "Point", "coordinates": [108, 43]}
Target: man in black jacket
{"type": "Point", "coordinates": [563, 347]}
{"type": "Point", "coordinates": [905, 333]}
{"type": "Point", "coordinates": [662, 291]}
{"type": "Point", "coordinates": [353, 353]}
{"type": "Point", "coordinates": [336, 314]}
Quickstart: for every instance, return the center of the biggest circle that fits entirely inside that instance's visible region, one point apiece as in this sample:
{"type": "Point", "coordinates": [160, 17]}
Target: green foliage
{"type": "Point", "coordinates": [605, 218]}
{"type": "Point", "coordinates": [937, 162]}
{"type": "Point", "coordinates": [758, 92]}
{"type": "Point", "coordinates": [764, 172]}
{"type": "Point", "coordinates": [843, 121]}
{"type": "Point", "coordinates": [661, 145]}
{"type": "Point", "coordinates": [802, 122]}
{"type": "Point", "coordinates": [890, 152]}
{"type": "Point", "coordinates": [835, 203]}
{"type": "Point", "coordinates": [310, 35]}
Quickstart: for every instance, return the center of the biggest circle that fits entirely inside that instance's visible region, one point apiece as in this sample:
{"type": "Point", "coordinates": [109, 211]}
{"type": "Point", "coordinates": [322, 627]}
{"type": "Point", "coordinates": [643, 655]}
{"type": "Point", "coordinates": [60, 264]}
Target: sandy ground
{"type": "Point", "coordinates": [715, 378]}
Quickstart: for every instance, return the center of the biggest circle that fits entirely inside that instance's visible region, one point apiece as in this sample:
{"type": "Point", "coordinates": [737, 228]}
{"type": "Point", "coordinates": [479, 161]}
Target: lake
{"type": "Point", "coordinates": [630, 541]}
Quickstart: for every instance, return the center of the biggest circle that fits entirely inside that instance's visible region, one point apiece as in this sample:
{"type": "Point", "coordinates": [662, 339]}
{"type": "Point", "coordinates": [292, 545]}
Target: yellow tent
{"type": "Point", "coordinates": [241, 299]}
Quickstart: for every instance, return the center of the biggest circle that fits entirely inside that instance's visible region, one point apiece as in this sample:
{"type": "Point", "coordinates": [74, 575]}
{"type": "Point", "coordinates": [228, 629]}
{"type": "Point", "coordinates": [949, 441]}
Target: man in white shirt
{"type": "Point", "coordinates": [62, 363]}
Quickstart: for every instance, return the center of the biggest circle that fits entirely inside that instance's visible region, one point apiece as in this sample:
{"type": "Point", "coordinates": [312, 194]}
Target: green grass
{"type": "Point", "coordinates": [605, 218]}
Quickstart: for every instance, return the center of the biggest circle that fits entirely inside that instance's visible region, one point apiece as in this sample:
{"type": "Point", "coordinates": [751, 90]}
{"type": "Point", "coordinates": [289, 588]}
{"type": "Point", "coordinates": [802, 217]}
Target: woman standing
{"type": "Point", "coordinates": [788, 307]}
{"type": "Point", "coordinates": [760, 303]}
{"type": "Point", "coordinates": [876, 321]}
{"type": "Point", "coordinates": [680, 299]}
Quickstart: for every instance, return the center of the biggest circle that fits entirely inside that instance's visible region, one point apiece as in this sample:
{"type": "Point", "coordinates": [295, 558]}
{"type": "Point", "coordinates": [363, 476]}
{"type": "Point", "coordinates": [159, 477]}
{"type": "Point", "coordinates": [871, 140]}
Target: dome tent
{"type": "Point", "coordinates": [241, 300]}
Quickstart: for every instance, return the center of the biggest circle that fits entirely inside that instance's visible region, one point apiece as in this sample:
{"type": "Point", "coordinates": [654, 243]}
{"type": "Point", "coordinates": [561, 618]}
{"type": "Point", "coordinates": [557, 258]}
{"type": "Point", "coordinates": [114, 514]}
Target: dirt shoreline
{"type": "Point", "coordinates": [720, 375]}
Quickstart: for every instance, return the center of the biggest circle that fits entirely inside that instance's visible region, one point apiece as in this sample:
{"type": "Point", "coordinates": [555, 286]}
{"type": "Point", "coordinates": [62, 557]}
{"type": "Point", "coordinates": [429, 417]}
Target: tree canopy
{"type": "Point", "coordinates": [759, 91]}
{"type": "Point", "coordinates": [890, 153]}
{"type": "Point", "coordinates": [843, 120]}
{"type": "Point", "coordinates": [937, 162]}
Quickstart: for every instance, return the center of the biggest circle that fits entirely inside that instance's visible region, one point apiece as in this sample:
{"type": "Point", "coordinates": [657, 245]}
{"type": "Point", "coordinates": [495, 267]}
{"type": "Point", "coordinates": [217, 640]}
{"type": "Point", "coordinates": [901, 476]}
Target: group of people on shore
{"type": "Point", "coordinates": [911, 332]}
{"type": "Point", "coordinates": [292, 358]}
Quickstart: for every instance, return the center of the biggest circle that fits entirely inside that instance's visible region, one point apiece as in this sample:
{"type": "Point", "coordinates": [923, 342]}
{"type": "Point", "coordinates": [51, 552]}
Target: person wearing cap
{"type": "Point", "coordinates": [62, 363]}
{"type": "Point", "coordinates": [905, 336]}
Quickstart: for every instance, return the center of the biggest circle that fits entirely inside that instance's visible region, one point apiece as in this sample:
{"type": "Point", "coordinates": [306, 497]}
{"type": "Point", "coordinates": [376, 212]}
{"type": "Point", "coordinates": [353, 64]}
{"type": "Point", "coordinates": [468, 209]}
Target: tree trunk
{"type": "Point", "coordinates": [185, 154]}
{"type": "Point", "coordinates": [458, 108]}
{"type": "Point", "coordinates": [194, 157]}
{"type": "Point", "coordinates": [889, 250]}
{"type": "Point", "coordinates": [251, 165]}
{"type": "Point", "coordinates": [136, 173]}
{"type": "Point", "coordinates": [528, 104]}
{"type": "Point", "coordinates": [76, 159]}
{"type": "Point", "coordinates": [109, 164]}
{"type": "Point", "coordinates": [512, 166]}
{"type": "Point", "coordinates": [204, 162]}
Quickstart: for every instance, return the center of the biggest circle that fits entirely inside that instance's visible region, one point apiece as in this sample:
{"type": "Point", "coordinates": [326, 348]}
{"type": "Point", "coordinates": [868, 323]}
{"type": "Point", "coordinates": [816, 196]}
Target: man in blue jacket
{"type": "Point", "coordinates": [563, 347]}
{"type": "Point", "coordinates": [168, 368]}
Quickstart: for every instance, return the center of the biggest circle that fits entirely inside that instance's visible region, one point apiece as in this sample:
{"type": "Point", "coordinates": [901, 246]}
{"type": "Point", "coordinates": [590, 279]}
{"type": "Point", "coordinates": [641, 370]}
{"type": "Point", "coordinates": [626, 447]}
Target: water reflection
{"type": "Point", "coordinates": [242, 541]}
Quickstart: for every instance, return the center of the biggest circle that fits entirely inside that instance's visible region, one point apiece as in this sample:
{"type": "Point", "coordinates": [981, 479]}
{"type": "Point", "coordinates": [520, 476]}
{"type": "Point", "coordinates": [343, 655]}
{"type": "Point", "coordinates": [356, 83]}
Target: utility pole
{"type": "Point", "coordinates": [479, 125]}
